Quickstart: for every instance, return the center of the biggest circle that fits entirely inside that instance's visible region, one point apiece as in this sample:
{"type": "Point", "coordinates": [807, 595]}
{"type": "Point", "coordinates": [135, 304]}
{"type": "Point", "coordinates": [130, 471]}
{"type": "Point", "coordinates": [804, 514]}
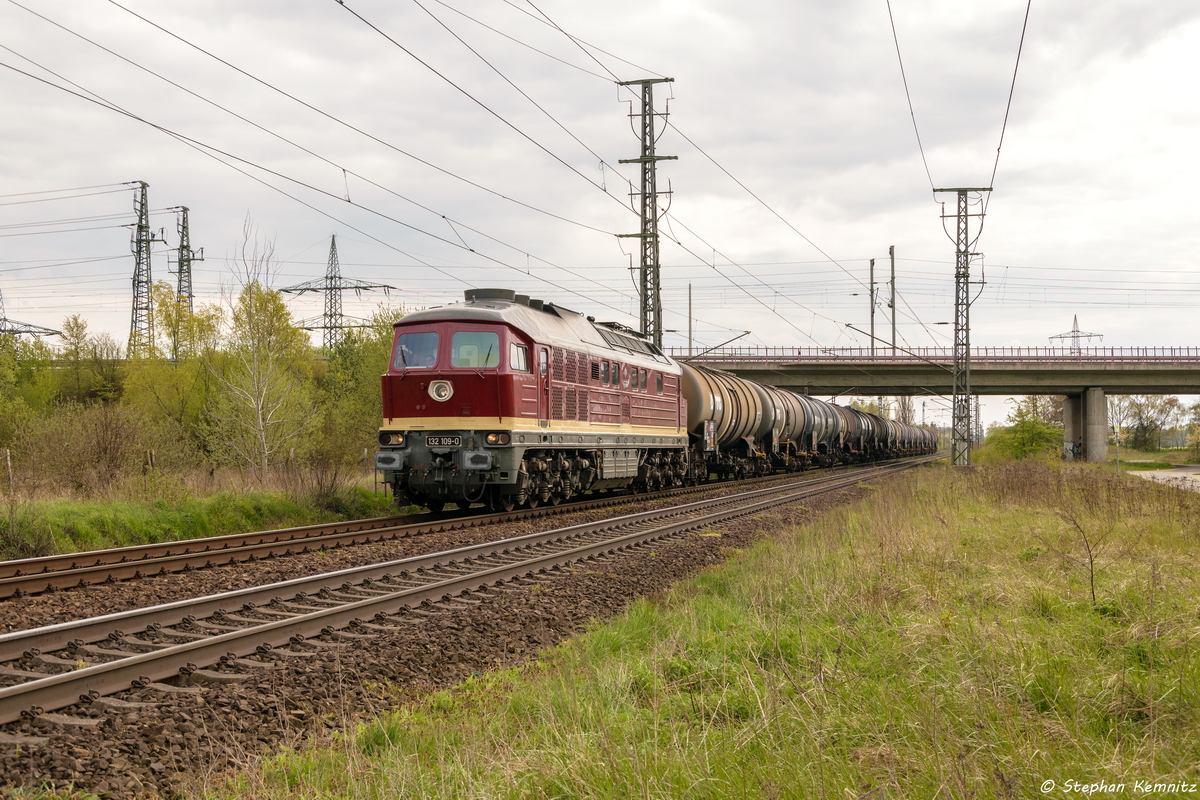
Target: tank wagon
{"type": "Point", "coordinates": [509, 401]}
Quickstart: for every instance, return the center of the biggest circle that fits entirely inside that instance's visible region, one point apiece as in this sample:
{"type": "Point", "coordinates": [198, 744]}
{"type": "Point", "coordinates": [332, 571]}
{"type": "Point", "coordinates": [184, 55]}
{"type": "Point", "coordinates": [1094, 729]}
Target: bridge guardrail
{"type": "Point", "coordinates": [945, 355]}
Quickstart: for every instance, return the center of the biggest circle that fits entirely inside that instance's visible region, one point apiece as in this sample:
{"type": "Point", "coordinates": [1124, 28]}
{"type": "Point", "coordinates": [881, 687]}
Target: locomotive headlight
{"type": "Point", "coordinates": [388, 439]}
{"type": "Point", "coordinates": [441, 391]}
{"type": "Point", "coordinates": [497, 438]}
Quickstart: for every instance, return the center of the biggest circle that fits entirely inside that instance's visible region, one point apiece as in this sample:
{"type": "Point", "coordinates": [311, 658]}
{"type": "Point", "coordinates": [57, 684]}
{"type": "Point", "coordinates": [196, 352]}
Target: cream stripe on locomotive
{"type": "Point", "coordinates": [523, 425]}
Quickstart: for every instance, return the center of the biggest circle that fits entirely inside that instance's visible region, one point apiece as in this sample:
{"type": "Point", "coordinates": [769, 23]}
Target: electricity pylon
{"type": "Point", "coordinates": [650, 283]}
{"type": "Point", "coordinates": [333, 322]}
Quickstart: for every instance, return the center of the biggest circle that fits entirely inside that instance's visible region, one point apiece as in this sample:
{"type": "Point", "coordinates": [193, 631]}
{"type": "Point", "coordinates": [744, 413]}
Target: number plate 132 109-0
{"type": "Point", "coordinates": [443, 441]}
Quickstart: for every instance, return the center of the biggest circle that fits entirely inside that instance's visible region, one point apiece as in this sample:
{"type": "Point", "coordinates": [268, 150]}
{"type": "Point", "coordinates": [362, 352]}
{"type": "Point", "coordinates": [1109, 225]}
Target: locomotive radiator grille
{"type": "Point", "coordinates": [556, 403]}
{"type": "Point", "coordinates": [572, 408]}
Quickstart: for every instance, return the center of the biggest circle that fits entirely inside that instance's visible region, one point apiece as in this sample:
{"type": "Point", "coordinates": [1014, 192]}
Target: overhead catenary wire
{"type": "Point", "coordinates": [1008, 106]}
{"type": "Point", "coordinates": [305, 149]}
{"type": "Point", "coordinates": [59, 191]}
{"type": "Point", "coordinates": [212, 152]}
{"type": "Point", "coordinates": [517, 41]}
{"type": "Point", "coordinates": [333, 118]}
{"type": "Point", "coordinates": [471, 97]}
{"type": "Point", "coordinates": [904, 79]}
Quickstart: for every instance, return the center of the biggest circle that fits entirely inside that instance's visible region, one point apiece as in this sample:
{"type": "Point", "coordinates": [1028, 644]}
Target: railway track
{"type": "Point", "coordinates": [54, 573]}
{"type": "Point", "coordinates": [59, 666]}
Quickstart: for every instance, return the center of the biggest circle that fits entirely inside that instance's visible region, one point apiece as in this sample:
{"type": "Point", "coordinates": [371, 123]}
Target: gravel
{"type": "Point", "coordinates": [186, 736]}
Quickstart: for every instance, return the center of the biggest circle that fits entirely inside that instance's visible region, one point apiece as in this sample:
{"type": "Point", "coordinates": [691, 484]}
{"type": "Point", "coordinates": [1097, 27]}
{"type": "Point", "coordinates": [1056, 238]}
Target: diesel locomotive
{"type": "Point", "coordinates": [509, 401]}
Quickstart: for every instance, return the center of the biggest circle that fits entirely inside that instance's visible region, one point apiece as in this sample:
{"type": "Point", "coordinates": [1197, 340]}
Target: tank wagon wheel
{"type": "Point", "coordinates": [435, 505]}
{"type": "Point", "coordinates": [463, 504]}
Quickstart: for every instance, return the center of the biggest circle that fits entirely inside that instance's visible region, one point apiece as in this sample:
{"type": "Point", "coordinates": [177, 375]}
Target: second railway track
{"type": "Point", "coordinates": [54, 573]}
{"type": "Point", "coordinates": [61, 665]}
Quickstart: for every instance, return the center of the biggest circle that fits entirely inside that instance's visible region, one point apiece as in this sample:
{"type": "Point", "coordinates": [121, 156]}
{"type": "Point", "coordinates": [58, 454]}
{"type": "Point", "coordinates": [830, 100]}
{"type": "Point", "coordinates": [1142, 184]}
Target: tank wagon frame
{"type": "Point", "coordinates": [509, 401]}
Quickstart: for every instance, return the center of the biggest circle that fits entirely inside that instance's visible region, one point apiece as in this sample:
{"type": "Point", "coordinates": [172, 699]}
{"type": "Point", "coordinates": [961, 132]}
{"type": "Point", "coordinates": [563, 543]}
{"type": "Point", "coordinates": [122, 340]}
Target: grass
{"type": "Point", "coordinates": [1166, 456]}
{"type": "Point", "coordinates": [965, 632]}
{"type": "Point", "coordinates": [40, 527]}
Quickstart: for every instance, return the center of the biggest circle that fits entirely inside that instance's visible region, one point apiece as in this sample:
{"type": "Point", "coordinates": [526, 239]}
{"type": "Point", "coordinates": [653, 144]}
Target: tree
{"type": "Point", "coordinates": [350, 388]}
{"type": "Point", "coordinates": [1026, 434]}
{"type": "Point", "coordinates": [11, 405]}
{"type": "Point", "coordinates": [264, 403]}
{"type": "Point", "coordinates": [1149, 415]}
{"type": "Point", "coordinates": [175, 380]}
{"type": "Point", "coordinates": [74, 352]}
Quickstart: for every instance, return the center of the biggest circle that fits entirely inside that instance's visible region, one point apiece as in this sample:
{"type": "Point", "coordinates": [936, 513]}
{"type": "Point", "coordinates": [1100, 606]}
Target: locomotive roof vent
{"type": "Point", "coordinates": [522, 300]}
{"type": "Point", "coordinates": [536, 305]}
{"type": "Point", "coordinates": [472, 295]}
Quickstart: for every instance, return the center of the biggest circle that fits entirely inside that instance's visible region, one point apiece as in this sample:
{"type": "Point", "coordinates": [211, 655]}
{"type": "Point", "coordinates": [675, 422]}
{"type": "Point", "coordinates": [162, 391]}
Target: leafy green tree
{"type": "Point", "coordinates": [350, 389]}
{"type": "Point", "coordinates": [1149, 416]}
{"type": "Point", "coordinates": [12, 407]}
{"type": "Point", "coordinates": [1026, 435]}
{"type": "Point", "coordinates": [175, 381]}
{"type": "Point", "coordinates": [264, 402]}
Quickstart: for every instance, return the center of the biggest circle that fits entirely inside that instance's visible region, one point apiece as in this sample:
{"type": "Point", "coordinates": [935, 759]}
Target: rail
{"type": "Point", "coordinates": [945, 355]}
{"type": "Point", "coordinates": [172, 639]}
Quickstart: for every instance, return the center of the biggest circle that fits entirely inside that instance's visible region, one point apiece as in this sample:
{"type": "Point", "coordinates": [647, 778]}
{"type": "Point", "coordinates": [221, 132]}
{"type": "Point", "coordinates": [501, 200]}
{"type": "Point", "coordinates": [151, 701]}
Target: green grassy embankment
{"type": "Point", "coordinates": [960, 633]}
{"type": "Point", "coordinates": [40, 527]}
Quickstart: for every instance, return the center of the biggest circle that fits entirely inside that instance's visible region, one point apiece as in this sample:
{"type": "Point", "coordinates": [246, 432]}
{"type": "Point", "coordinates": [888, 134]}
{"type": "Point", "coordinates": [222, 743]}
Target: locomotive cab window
{"type": "Point", "coordinates": [518, 357]}
{"type": "Point", "coordinates": [416, 350]}
{"type": "Point", "coordinates": [475, 349]}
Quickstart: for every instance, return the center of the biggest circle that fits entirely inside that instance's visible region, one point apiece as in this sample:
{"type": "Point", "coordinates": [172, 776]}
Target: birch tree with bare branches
{"type": "Point", "coordinates": [265, 404]}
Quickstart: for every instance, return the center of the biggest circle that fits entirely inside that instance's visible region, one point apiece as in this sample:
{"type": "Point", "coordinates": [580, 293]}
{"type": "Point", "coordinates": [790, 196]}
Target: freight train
{"type": "Point", "coordinates": [509, 401]}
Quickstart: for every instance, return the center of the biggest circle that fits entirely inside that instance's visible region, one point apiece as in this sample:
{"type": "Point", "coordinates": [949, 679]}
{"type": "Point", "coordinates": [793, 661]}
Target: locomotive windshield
{"type": "Point", "coordinates": [475, 349]}
{"type": "Point", "coordinates": [416, 350]}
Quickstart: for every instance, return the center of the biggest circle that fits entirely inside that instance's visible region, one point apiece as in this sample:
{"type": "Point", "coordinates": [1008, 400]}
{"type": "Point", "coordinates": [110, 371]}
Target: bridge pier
{"type": "Point", "coordinates": [1085, 426]}
{"type": "Point", "coordinates": [1095, 415]}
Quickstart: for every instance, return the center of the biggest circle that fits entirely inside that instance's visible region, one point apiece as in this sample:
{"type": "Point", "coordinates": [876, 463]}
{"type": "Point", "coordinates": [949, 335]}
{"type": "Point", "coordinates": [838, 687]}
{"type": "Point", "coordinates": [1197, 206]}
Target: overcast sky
{"type": "Point", "coordinates": [479, 146]}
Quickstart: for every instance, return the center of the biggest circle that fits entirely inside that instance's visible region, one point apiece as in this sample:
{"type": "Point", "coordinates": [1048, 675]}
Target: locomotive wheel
{"type": "Point", "coordinates": [504, 503]}
{"type": "Point", "coordinates": [554, 500]}
{"type": "Point", "coordinates": [532, 502]}
{"type": "Point", "coordinates": [435, 505]}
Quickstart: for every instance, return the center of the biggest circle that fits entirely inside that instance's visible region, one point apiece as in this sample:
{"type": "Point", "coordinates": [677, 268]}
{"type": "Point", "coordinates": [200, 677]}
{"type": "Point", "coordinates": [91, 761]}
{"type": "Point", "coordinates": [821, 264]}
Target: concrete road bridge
{"type": "Point", "coordinates": [1085, 376]}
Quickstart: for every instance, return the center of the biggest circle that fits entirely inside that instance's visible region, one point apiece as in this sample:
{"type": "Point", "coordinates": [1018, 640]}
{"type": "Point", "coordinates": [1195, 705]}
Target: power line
{"type": "Point", "coordinates": [477, 54]}
{"type": "Point", "coordinates": [349, 126]}
{"type": "Point", "coordinates": [580, 42]}
{"type": "Point", "coordinates": [51, 199]}
{"type": "Point", "coordinates": [53, 233]}
{"type": "Point", "coordinates": [904, 78]}
{"type": "Point", "coordinates": [474, 99]}
{"type": "Point", "coordinates": [515, 40]}
{"type": "Point", "coordinates": [1012, 87]}
{"type": "Point", "coordinates": [57, 191]}
{"type": "Point", "coordinates": [300, 147]}
{"type": "Point", "coordinates": [232, 113]}
{"type": "Point", "coordinates": [205, 148]}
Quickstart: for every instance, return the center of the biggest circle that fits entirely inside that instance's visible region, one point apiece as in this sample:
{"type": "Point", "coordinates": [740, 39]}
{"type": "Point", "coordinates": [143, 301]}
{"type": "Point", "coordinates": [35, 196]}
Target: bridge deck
{"type": "Point", "coordinates": [994, 370]}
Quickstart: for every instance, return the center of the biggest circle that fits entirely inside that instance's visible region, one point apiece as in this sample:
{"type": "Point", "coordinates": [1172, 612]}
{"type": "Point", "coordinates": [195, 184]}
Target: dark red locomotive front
{"type": "Point", "coordinates": [504, 400]}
